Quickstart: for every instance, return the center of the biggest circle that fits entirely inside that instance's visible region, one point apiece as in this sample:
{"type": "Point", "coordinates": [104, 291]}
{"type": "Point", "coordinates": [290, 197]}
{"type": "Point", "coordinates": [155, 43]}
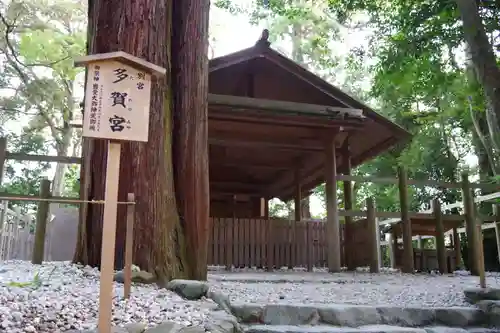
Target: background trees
{"type": "Point", "coordinates": [431, 67]}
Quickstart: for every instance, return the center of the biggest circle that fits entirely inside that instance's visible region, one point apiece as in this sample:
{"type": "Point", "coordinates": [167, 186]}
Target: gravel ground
{"type": "Point", "coordinates": [65, 296]}
{"type": "Point", "coordinates": [68, 299]}
{"type": "Point", "coordinates": [389, 288]}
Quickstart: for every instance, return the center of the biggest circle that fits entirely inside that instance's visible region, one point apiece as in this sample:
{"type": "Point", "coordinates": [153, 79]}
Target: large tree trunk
{"type": "Point", "coordinates": [485, 64]}
{"type": "Point", "coordinates": [141, 28]}
{"type": "Point", "coordinates": [190, 81]}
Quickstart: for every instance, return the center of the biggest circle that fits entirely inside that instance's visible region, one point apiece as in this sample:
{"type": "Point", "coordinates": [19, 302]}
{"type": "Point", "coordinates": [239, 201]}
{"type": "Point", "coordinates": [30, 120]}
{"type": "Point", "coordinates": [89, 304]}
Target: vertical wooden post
{"type": "Point", "coordinates": [298, 216]}
{"type": "Point", "coordinates": [440, 247]}
{"type": "Point", "coordinates": [309, 246]}
{"type": "Point", "coordinates": [41, 223]}
{"type": "Point", "coordinates": [129, 246]}
{"type": "Point", "coordinates": [270, 245]}
{"type": "Point", "coordinates": [3, 156]}
{"type": "Point", "coordinates": [266, 208]}
{"type": "Point", "coordinates": [470, 223]}
{"type": "Point", "coordinates": [348, 202]}
{"type": "Point", "coordinates": [332, 214]}
{"type": "Point", "coordinates": [393, 246]}
{"type": "Point", "coordinates": [496, 214]}
{"type": "Point", "coordinates": [373, 231]}
{"type": "Point", "coordinates": [229, 235]}
{"type": "Point", "coordinates": [109, 237]}
{"type": "Point", "coordinates": [480, 255]}
{"type": "Point", "coordinates": [262, 207]}
{"type": "Point", "coordinates": [408, 265]}
{"type": "Point", "coordinates": [379, 240]}
{"type": "Point", "coordinates": [456, 248]}
{"type": "Point", "coordinates": [3, 216]}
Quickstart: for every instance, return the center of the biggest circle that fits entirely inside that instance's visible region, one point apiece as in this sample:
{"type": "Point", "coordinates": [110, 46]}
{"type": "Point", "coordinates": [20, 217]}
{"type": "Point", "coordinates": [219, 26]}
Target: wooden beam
{"type": "Point", "coordinates": [262, 144]}
{"type": "Point", "coordinates": [332, 216]}
{"type": "Point", "coordinates": [416, 182]}
{"type": "Point", "coordinates": [297, 121]}
{"type": "Point", "coordinates": [285, 107]}
{"type": "Point", "coordinates": [43, 158]}
{"type": "Point", "coordinates": [249, 164]}
{"type": "Point", "coordinates": [236, 187]}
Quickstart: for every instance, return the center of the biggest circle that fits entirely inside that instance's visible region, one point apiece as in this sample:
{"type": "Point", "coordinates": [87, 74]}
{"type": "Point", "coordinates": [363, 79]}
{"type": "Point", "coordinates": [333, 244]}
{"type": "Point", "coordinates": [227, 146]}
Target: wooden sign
{"type": "Point", "coordinates": [117, 97]}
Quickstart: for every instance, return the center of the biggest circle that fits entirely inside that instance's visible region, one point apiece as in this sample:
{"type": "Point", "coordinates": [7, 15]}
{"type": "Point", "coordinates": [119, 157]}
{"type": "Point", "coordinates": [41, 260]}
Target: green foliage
{"type": "Point", "coordinates": [35, 283]}
{"type": "Point", "coordinates": [40, 40]}
{"type": "Point", "coordinates": [415, 61]}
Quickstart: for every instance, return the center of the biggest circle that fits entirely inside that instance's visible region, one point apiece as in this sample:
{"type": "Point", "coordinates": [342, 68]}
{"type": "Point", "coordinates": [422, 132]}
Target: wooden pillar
{"type": "Point", "coordinates": [3, 156]}
{"type": "Point", "coordinates": [470, 224]}
{"type": "Point", "coordinates": [496, 214]}
{"type": "Point", "coordinates": [373, 231]}
{"type": "Point", "coordinates": [348, 201]}
{"type": "Point", "coordinates": [440, 247]}
{"type": "Point", "coordinates": [270, 237]}
{"type": "Point", "coordinates": [480, 255]}
{"type": "Point", "coordinates": [229, 227]}
{"type": "Point", "coordinates": [457, 248]}
{"type": "Point", "coordinates": [266, 208]}
{"type": "Point", "coordinates": [298, 216]}
{"type": "Point", "coordinates": [42, 214]}
{"type": "Point", "coordinates": [298, 195]}
{"type": "Point", "coordinates": [408, 265]}
{"type": "Point", "coordinates": [332, 214]}
{"type": "Point", "coordinates": [393, 246]}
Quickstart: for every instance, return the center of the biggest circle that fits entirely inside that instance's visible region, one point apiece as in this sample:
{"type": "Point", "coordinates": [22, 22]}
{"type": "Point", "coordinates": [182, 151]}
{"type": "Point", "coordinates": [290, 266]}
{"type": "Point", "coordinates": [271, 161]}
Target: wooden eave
{"type": "Point", "coordinates": [312, 161]}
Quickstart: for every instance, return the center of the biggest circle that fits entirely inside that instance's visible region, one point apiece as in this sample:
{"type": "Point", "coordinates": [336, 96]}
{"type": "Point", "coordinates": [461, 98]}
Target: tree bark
{"type": "Point", "coordinates": [485, 65]}
{"type": "Point", "coordinates": [190, 81]}
{"type": "Point", "coordinates": [143, 29]}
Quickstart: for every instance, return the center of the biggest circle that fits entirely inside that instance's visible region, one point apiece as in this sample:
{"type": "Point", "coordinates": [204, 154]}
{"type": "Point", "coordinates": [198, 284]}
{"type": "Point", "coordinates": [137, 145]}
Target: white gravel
{"type": "Point", "coordinates": [67, 295]}
{"type": "Point", "coordinates": [68, 299]}
{"type": "Point", "coordinates": [389, 288]}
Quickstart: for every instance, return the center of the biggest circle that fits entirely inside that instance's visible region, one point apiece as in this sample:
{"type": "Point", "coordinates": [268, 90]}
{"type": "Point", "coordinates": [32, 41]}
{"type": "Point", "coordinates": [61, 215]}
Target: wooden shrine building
{"type": "Point", "coordinates": [277, 130]}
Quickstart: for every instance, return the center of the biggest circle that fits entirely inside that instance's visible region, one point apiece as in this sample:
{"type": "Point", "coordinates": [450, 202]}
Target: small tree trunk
{"type": "Point", "coordinates": [141, 28]}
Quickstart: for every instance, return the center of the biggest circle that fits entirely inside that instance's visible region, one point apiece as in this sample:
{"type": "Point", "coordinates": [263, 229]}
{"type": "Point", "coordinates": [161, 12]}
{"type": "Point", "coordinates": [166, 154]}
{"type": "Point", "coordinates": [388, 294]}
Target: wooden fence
{"type": "Point", "coordinates": [280, 243]}
{"type": "Point", "coordinates": [259, 242]}
{"type": "Point", "coordinates": [16, 240]}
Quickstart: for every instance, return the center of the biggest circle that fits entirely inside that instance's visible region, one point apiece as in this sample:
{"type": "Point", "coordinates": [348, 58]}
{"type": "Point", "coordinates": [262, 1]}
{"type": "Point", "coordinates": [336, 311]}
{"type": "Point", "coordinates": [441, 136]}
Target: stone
{"type": "Point", "coordinates": [491, 310]}
{"type": "Point", "coordinates": [408, 317]}
{"type": "Point", "coordinates": [137, 277]}
{"type": "Point", "coordinates": [474, 295]}
{"type": "Point", "coordinates": [331, 329]}
{"type": "Point", "coordinates": [287, 314]}
{"type": "Point", "coordinates": [135, 328]}
{"type": "Point", "coordinates": [247, 312]}
{"type": "Point", "coordinates": [220, 299]}
{"type": "Point", "coordinates": [460, 316]}
{"type": "Point", "coordinates": [444, 329]}
{"type": "Point", "coordinates": [189, 289]}
{"type": "Point", "coordinates": [349, 315]}
{"type": "Point", "coordinates": [222, 322]}
{"type": "Point", "coordinates": [192, 329]}
{"type": "Point", "coordinates": [166, 327]}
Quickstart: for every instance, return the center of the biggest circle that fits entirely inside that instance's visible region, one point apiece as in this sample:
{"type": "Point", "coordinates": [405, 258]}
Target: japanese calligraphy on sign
{"type": "Point", "coordinates": [117, 97]}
